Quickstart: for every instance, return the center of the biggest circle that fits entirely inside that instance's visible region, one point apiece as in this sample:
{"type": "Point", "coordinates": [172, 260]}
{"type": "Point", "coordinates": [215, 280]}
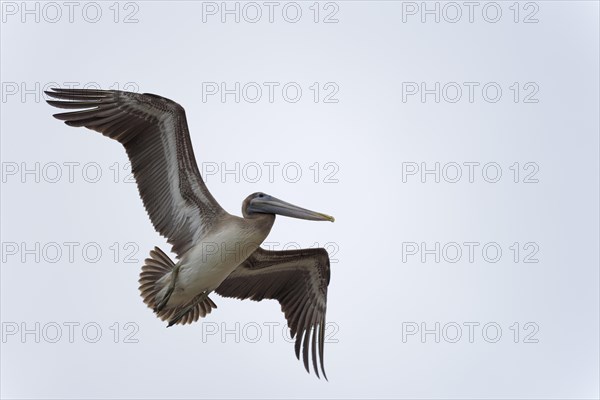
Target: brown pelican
{"type": "Point", "coordinates": [216, 251]}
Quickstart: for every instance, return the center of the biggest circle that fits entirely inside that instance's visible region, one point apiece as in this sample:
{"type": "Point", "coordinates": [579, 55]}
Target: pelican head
{"type": "Point", "coordinates": [261, 203]}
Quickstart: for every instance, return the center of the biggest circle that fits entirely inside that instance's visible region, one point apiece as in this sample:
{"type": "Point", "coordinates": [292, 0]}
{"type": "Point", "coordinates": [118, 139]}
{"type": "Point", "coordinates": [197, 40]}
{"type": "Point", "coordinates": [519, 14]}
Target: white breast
{"type": "Point", "coordinates": [208, 263]}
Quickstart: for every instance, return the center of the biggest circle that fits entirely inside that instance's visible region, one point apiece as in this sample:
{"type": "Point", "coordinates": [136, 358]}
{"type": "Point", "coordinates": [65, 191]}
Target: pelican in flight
{"type": "Point", "coordinates": [216, 251]}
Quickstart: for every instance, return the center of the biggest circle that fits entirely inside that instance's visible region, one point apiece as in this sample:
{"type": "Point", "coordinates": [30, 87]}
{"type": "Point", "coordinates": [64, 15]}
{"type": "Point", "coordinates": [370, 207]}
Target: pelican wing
{"type": "Point", "coordinates": [155, 135]}
{"type": "Point", "coordinates": [298, 279]}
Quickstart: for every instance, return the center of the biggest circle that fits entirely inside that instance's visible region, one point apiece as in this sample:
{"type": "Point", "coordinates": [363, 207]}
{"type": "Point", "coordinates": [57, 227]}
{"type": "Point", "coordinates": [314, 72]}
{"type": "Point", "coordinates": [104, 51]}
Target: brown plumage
{"type": "Point", "coordinates": [298, 279]}
{"type": "Point", "coordinates": [155, 135]}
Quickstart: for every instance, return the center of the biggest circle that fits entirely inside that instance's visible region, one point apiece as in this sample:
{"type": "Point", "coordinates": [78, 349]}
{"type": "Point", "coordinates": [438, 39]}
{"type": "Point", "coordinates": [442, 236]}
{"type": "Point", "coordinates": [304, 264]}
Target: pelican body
{"type": "Point", "coordinates": [206, 265]}
{"type": "Point", "coordinates": [216, 251]}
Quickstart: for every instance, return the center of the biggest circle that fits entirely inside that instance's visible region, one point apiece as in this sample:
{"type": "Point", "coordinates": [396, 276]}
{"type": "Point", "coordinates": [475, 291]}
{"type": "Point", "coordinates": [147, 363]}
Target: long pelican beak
{"type": "Point", "coordinates": [271, 205]}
